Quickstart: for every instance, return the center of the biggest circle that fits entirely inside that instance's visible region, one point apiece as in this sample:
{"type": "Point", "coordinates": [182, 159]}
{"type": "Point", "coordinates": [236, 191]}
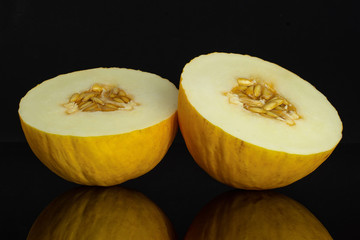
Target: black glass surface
{"type": "Point", "coordinates": [181, 189]}
{"type": "Point", "coordinates": [316, 40]}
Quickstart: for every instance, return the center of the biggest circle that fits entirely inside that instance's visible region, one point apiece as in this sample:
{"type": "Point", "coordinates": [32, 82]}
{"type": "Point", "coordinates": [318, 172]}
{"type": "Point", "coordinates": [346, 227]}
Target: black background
{"type": "Point", "coordinates": [317, 40]}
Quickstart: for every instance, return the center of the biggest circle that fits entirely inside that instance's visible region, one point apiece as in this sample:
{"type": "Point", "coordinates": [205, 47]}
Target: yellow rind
{"type": "Point", "coordinates": [102, 160]}
{"type": "Point", "coordinates": [238, 163]}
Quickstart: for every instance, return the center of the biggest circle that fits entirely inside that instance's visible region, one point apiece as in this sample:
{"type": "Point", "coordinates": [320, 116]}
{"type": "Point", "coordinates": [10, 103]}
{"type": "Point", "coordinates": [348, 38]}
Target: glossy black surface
{"type": "Point", "coordinates": [180, 188]}
{"type": "Point", "coordinates": [316, 40]}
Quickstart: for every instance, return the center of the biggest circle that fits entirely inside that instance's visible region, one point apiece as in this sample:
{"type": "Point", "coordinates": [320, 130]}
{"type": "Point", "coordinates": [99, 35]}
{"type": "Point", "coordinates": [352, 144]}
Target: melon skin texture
{"type": "Point", "coordinates": [229, 158]}
{"type": "Point", "coordinates": [255, 215]}
{"type": "Point", "coordinates": [106, 160]}
{"type": "Point", "coordinates": [102, 159]}
{"type": "Point", "coordinates": [102, 213]}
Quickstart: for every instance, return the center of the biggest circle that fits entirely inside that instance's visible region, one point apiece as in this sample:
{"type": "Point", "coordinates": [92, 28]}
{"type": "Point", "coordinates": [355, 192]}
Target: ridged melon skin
{"type": "Point", "coordinates": [255, 215]}
{"type": "Point", "coordinates": [87, 213]}
{"type": "Point", "coordinates": [102, 160]}
{"type": "Point", "coordinates": [235, 162]}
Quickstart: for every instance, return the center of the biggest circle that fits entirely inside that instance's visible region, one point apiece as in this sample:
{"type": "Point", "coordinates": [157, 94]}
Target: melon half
{"type": "Point", "coordinates": [252, 124]}
{"type": "Point", "coordinates": [85, 130]}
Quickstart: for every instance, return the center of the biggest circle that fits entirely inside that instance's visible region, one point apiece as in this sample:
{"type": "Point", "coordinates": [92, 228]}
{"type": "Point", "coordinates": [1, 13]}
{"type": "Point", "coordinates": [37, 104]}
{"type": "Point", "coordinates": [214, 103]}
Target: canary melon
{"type": "Point", "coordinates": [100, 126]}
{"type": "Point", "coordinates": [252, 124]}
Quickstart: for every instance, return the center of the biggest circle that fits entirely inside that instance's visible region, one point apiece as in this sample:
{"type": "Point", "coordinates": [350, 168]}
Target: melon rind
{"type": "Point", "coordinates": [102, 160]}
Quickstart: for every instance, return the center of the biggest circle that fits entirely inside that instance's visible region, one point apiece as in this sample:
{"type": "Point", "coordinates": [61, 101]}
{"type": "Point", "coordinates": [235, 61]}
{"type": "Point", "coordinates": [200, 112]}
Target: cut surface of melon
{"type": "Point", "coordinates": [206, 78]}
{"type": "Point", "coordinates": [42, 107]}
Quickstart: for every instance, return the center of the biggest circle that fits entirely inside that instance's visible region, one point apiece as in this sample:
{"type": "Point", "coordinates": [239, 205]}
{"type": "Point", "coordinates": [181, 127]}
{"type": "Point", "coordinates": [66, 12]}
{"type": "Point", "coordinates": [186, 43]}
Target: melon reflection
{"type": "Point", "coordinates": [255, 215]}
{"type": "Point", "coordinates": [101, 213]}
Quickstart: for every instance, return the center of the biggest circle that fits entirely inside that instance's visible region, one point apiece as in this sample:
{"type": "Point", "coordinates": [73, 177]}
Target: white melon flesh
{"type": "Point", "coordinates": [206, 78]}
{"type": "Point", "coordinates": [42, 107]}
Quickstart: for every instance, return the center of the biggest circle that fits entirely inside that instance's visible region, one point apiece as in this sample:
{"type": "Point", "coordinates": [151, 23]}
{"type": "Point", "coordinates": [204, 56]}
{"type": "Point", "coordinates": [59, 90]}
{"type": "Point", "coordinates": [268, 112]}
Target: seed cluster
{"type": "Point", "coordinates": [99, 97]}
{"type": "Point", "coordinates": [261, 99]}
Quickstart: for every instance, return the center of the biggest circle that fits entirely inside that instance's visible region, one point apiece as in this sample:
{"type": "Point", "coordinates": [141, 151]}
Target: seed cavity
{"type": "Point", "coordinates": [261, 99]}
{"type": "Point", "coordinates": [100, 97]}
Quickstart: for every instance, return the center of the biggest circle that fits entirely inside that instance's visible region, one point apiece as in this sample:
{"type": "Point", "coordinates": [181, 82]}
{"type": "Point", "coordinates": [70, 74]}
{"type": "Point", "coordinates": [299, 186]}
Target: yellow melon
{"type": "Point", "coordinates": [100, 126]}
{"type": "Point", "coordinates": [252, 124]}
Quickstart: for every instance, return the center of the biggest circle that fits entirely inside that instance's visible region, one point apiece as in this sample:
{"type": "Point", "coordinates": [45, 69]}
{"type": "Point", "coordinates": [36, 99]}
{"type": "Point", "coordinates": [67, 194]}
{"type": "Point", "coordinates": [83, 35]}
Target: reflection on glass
{"type": "Point", "coordinates": [101, 213]}
{"type": "Point", "coordinates": [255, 215]}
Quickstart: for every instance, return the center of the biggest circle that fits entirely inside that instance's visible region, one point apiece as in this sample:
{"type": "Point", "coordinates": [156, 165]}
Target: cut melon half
{"type": "Point", "coordinates": [252, 124]}
{"type": "Point", "coordinates": [100, 126]}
